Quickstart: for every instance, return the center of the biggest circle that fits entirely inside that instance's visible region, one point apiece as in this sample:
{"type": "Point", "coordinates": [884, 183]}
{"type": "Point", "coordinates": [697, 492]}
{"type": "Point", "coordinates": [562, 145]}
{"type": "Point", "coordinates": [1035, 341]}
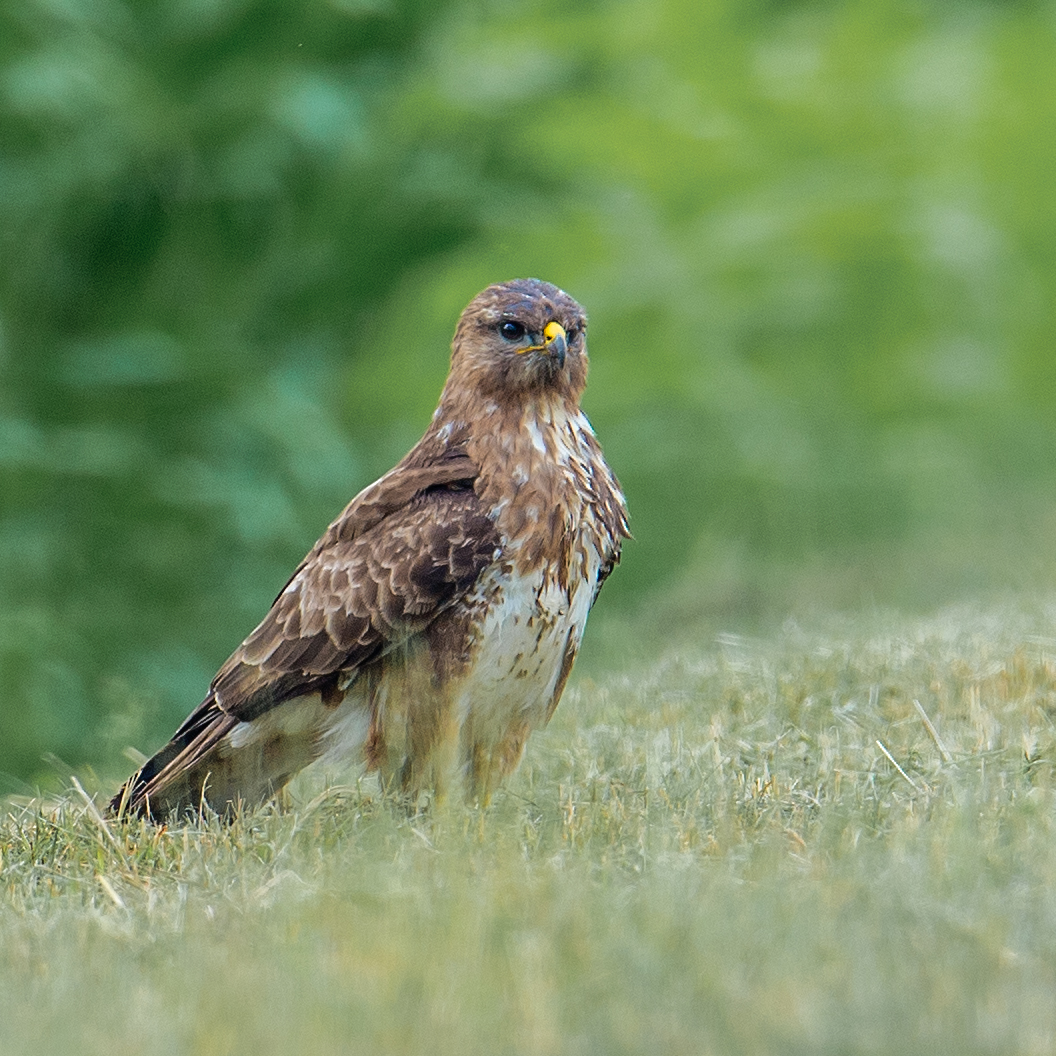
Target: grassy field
{"type": "Point", "coordinates": [837, 839]}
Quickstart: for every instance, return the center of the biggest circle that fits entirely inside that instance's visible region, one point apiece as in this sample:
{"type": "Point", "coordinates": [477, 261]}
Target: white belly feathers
{"type": "Point", "coordinates": [520, 647]}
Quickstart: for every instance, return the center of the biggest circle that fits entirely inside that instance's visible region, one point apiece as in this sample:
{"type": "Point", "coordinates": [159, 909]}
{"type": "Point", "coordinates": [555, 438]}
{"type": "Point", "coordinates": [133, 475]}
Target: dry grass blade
{"type": "Point", "coordinates": [110, 892]}
{"type": "Point", "coordinates": [891, 759]}
{"type": "Point", "coordinates": [96, 816]}
{"type": "Point", "coordinates": [933, 733]}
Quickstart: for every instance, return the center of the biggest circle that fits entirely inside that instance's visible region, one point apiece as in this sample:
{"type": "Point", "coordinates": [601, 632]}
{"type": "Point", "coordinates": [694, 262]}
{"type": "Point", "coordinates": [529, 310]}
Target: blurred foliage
{"type": "Point", "coordinates": [815, 240]}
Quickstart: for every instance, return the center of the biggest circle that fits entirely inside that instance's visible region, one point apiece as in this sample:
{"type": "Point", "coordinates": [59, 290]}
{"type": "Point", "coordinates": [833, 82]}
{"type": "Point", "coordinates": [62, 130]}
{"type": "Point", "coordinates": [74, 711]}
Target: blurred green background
{"type": "Point", "coordinates": [816, 241]}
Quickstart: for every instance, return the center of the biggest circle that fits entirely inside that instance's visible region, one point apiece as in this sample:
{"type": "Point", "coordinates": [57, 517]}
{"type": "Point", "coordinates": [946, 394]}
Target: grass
{"type": "Point", "coordinates": [835, 840]}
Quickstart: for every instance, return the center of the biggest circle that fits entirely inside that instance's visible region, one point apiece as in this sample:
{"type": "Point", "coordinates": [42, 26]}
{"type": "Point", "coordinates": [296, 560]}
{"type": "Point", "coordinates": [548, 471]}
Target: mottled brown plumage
{"type": "Point", "coordinates": [434, 624]}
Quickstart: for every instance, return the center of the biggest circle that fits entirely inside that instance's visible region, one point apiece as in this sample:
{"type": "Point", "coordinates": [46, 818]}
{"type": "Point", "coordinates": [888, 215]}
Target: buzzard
{"type": "Point", "coordinates": [434, 624]}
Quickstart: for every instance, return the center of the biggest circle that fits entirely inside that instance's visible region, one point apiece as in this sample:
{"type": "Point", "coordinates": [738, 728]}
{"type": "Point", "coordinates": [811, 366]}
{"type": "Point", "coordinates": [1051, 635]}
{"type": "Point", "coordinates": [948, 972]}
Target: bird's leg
{"type": "Point", "coordinates": [490, 764]}
{"type": "Point", "coordinates": [432, 736]}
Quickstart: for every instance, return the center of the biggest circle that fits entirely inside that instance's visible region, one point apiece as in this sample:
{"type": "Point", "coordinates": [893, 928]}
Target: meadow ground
{"type": "Point", "coordinates": [837, 839]}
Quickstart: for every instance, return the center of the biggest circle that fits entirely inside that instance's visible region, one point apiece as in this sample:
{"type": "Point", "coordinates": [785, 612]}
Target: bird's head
{"type": "Point", "coordinates": [521, 338]}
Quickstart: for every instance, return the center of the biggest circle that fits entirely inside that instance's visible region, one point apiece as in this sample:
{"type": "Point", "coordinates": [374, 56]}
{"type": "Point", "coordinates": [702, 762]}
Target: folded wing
{"type": "Point", "coordinates": [402, 553]}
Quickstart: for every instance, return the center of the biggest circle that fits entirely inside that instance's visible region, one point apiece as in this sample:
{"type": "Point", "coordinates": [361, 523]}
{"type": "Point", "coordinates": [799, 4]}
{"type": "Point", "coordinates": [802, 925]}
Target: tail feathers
{"type": "Point", "coordinates": [204, 766]}
{"type": "Point", "coordinates": [173, 778]}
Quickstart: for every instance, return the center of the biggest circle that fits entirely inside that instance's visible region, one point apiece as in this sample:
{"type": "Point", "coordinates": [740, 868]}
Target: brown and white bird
{"type": "Point", "coordinates": [434, 625]}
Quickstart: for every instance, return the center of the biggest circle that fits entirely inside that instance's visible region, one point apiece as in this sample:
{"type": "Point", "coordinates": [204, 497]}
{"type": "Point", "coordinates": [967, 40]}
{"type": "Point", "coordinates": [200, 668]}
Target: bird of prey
{"type": "Point", "coordinates": [434, 624]}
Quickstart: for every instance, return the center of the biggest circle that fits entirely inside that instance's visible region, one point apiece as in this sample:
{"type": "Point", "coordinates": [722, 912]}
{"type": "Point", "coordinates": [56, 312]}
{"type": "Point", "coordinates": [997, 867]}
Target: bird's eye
{"type": "Point", "coordinates": [512, 331]}
{"type": "Point", "coordinates": [573, 333]}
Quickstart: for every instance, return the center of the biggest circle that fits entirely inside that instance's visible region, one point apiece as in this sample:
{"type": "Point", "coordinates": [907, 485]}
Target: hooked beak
{"type": "Point", "coordinates": [556, 342]}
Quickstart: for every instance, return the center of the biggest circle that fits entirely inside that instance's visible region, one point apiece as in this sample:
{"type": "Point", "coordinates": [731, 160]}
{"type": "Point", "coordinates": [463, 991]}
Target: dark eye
{"type": "Point", "coordinates": [512, 331]}
{"type": "Point", "coordinates": [573, 334]}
